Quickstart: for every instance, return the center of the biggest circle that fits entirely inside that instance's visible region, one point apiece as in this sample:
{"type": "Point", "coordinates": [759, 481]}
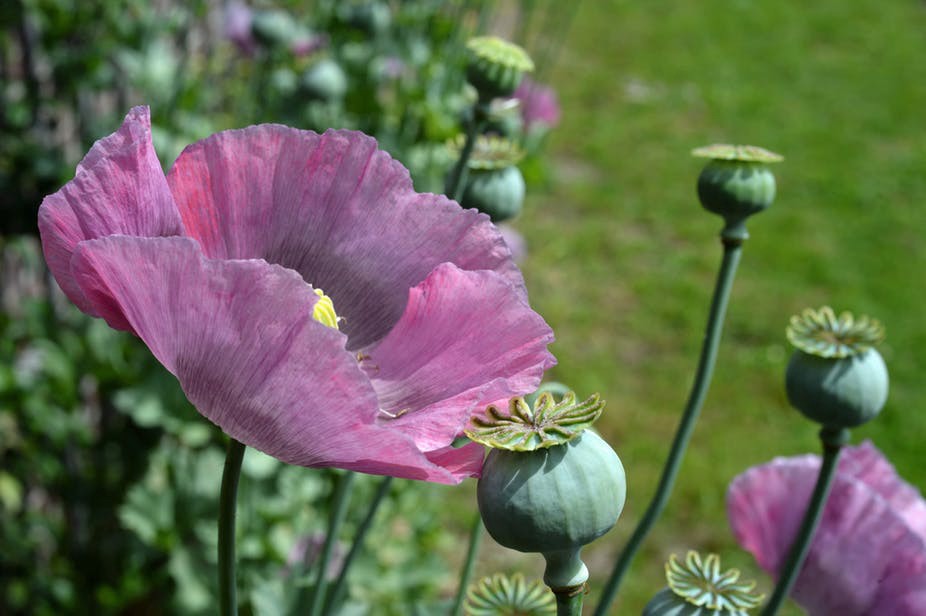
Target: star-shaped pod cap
{"type": "Point", "coordinates": [697, 587]}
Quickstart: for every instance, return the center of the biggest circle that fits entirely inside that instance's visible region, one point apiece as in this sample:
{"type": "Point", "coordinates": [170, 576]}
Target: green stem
{"type": "Point", "coordinates": [334, 596]}
{"type": "Point", "coordinates": [833, 440]}
{"type": "Point", "coordinates": [569, 601]}
{"type": "Point", "coordinates": [228, 599]}
{"type": "Point", "coordinates": [457, 180]}
{"type": "Point", "coordinates": [475, 534]}
{"type": "Point", "coordinates": [732, 249]}
{"type": "Point", "coordinates": [335, 519]}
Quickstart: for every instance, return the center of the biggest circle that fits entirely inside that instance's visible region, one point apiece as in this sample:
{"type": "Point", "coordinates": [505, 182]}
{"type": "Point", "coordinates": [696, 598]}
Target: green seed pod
{"type": "Point", "coordinates": [497, 192]}
{"type": "Point", "coordinates": [324, 81]}
{"type": "Point", "coordinates": [698, 588]}
{"type": "Point", "coordinates": [495, 67]}
{"type": "Point", "coordinates": [494, 184]}
{"type": "Point", "coordinates": [555, 486]}
{"type": "Point", "coordinates": [737, 181]}
{"type": "Point", "coordinates": [836, 377]}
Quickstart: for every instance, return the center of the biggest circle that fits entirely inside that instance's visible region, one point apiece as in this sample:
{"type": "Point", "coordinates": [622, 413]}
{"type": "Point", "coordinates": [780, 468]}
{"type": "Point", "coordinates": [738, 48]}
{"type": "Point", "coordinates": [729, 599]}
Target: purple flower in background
{"type": "Point", "coordinates": [516, 242]}
{"type": "Point", "coordinates": [216, 267]}
{"type": "Point", "coordinates": [539, 105]}
{"type": "Point", "coordinates": [869, 554]}
{"type": "Point", "coordinates": [238, 21]}
{"type": "Point", "coordinates": [307, 43]}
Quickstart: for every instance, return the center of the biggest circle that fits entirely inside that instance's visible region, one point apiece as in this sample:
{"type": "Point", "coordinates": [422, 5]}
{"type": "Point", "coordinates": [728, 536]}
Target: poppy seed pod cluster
{"type": "Point", "coordinates": [549, 485]}
{"type": "Point", "coordinates": [836, 377]}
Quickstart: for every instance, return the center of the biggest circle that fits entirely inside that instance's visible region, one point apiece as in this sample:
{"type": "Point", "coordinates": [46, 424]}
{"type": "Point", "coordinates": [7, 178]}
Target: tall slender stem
{"type": "Point", "coordinates": [457, 180]}
{"type": "Point", "coordinates": [335, 595]}
{"type": "Point", "coordinates": [732, 249]}
{"type": "Point", "coordinates": [475, 535]}
{"type": "Point", "coordinates": [228, 597]}
{"type": "Point", "coordinates": [832, 440]}
{"type": "Point", "coordinates": [335, 520]}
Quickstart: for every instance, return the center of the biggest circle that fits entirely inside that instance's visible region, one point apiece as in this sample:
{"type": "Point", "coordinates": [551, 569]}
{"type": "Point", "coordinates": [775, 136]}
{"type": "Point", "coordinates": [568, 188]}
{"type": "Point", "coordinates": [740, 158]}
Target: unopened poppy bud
{"type": "Point", "coordinates": [495, 67]}
{"type": "Point", "coordinates": [737, 182]}
{"type": "Point", "coordinates": [698, 588]}
{"type": "Point", "coordinates": [549, 485]}
{"type": "Point", "coordinates": [836, 377]}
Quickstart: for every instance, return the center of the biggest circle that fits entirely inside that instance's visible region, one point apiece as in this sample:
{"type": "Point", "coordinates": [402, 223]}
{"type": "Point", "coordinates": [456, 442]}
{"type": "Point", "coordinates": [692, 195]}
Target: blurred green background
{"type": "Point", "coordinates": [621, 262]}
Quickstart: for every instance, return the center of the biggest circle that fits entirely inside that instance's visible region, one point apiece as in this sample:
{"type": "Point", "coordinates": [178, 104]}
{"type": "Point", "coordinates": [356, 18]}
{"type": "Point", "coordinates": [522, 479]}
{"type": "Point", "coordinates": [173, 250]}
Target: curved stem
{"type": "Point", "coordinates": [732, 249]}
{"type": "Point", "coordinates": [228, 598]}
{"type": "Point", "coordinates": [457, 179]}
{"type": "Point", "coordinates": [335, 519]}
{"type": "Point", "coordinates": [335, 595]}
{"type": "Point", "coordinates": [833, 440]}
{"type": "Point", "coordinates": [475, 534]}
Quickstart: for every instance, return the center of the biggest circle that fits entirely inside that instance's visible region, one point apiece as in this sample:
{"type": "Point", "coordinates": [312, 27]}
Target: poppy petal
{"type": "Point", "coordinates": [119, 188]}
{"type": "Point", "coordinates": [240, 338]}
{"type": "Point", "coordinates": [465, 340]}
{"type": "Point", "coordinates": [337, 210]}
{"type": "Point", "coordinates": [864, 559]}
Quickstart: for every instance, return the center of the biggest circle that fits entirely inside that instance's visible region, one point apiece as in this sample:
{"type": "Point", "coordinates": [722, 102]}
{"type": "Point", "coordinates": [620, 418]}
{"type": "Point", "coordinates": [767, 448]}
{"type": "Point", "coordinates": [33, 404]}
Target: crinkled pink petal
{"type": "Point", "coordinates": [337, 210]}
{"type": "Point", "coordinates": [869, 465]}
{"type": "Point", "coordinates": [240, 338]}
{"type": "Point", "coordinates": [864, 558]}
{"type": "Point", "coordinates": [460, 329]}
{"type": "Point", "coordinates": [119, 188]}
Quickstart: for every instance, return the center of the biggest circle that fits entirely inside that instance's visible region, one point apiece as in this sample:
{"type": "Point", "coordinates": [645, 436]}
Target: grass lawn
{"type": "Point", "coordinates": [622, 258]}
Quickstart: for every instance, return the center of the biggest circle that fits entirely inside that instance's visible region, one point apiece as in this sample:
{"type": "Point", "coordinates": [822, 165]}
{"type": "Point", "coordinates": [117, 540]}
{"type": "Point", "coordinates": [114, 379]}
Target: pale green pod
{"type": "Point", "coordinates": [496, 192]}
{"type": "Point", "coordinates": [837, 392]}
{"type": "Point", "coordinates": [836, 377]}
{"type": "Point", "coordinates": [553, 501]}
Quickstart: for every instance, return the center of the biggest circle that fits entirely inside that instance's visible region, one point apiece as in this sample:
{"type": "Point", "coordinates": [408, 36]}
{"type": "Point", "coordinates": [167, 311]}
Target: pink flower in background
{"type": "Point", "coordinates": [215, 265]}
{"type": "Point", "coordinates": [539, 105]}
{"type": "Point", "coordinates": [868, 556]}
{"type": "Point", "coordinates": [238, 20]}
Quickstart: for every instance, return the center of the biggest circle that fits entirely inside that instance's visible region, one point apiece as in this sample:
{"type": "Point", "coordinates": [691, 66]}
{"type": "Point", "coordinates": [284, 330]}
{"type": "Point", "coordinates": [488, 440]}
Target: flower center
{"type": "Point", "coordinates": [323, 312]}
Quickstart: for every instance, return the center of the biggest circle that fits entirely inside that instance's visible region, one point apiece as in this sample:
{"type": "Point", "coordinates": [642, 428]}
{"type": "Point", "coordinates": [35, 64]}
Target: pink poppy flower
{"type": "Point", "coordinates": [539, 105]}
{"type": "Point", "coordinates": [868, 555]}
{"type": "Point", "coordinates": [214, 266]}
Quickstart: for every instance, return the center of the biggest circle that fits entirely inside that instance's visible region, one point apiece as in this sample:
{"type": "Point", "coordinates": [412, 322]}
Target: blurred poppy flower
{"type": "Point", "coordinates": [869, 553]}
{"type": "Point", "coordinates": [539, 105]}
{"type": "Point", "coordinates": [215, 266]}
{"type": "Point", "coordinates": [238, 21]}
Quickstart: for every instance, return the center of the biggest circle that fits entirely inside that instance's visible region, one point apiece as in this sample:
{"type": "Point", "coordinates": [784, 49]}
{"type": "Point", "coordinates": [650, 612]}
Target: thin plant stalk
{"type": "Point", "coordinates": [466, 574]}
{"type": "Point", "coordinates": [457, 179]}
{"type": "Point", "coordinates": [340, 584]}
{"type": "Point", "coordinates": [732, 249]}
{"type": "Point", "coordinates": [228, 597]}
{"type": "Point", "coordinates": [339, 503]}
{"type": "Point", "coordinates": [800, 547]}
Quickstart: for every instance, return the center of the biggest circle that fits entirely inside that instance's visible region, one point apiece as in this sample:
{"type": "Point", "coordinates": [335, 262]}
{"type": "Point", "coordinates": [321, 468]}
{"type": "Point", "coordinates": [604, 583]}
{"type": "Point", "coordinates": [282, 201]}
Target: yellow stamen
{"type": "Point", "coordinates": [324, 310]}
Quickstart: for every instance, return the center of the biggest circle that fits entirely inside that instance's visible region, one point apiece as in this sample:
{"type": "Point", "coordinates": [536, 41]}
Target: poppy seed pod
{"type": "Point", "coordinates": [836, 377]}
{"type": "Point", "coordinates": [494, 184]}
{"type": "Point", "coordinates": [497, 192]}
{"type": "Point", "coordinates": [495, 67]}
{"type": "Point", "coordinates": [737, 182]}
{"type": "Point", "coordinates": [698, 588]}
{"type": "Point", "coordinates": [554, 487]}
